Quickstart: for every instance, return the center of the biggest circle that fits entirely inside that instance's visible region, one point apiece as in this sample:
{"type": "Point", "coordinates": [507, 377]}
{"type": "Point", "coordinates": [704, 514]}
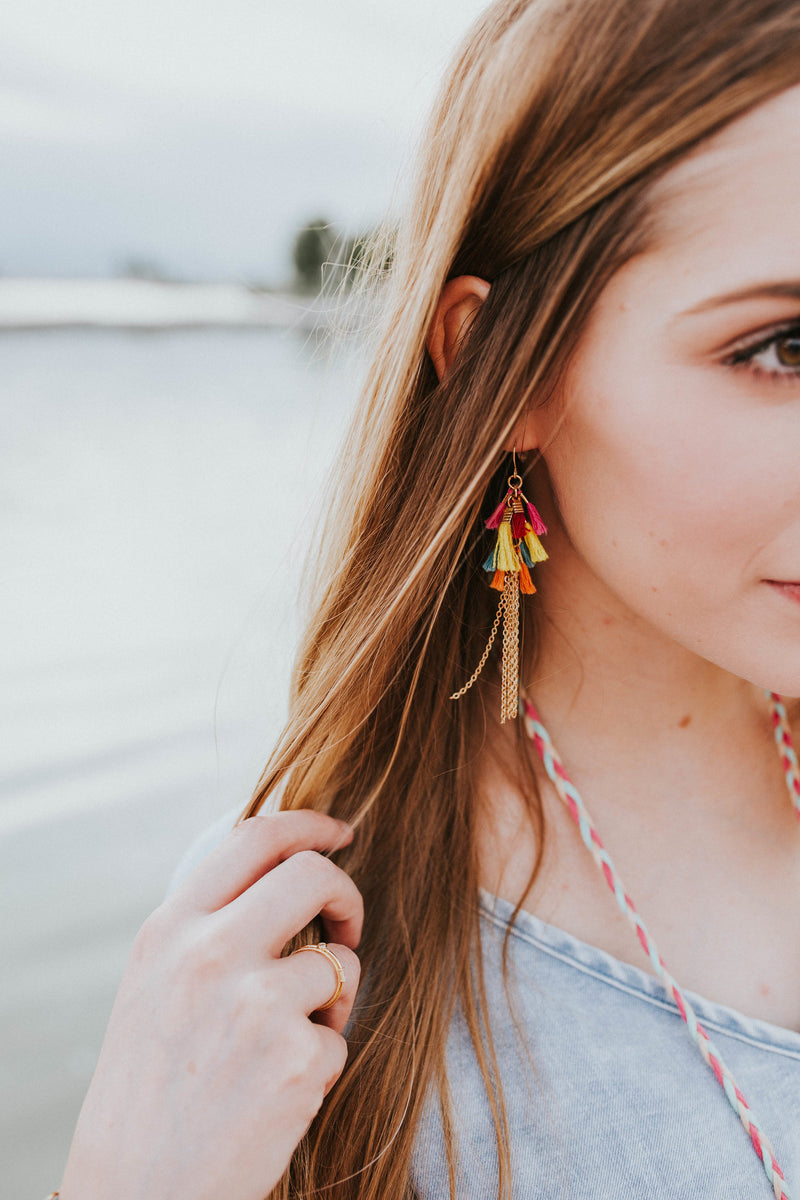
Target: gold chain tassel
{"type": "Point", "coordinates": [495, 626]}
{"type": "Point", "coordinates": [509, 687]}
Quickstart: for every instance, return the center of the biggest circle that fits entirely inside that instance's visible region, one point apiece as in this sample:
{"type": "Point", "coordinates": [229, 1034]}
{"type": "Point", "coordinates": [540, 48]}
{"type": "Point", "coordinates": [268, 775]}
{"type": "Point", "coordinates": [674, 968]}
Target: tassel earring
{"type": "Point", "coordinates": [516, 550]}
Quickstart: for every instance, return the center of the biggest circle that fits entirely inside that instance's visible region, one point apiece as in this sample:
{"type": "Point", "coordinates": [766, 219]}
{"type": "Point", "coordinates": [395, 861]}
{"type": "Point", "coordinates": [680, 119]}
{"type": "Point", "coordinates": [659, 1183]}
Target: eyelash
{"type": "Point", "coordinates": [743, 358]}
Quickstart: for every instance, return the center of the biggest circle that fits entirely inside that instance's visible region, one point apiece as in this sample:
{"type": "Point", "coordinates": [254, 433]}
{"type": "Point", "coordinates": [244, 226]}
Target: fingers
{"type": "Point", "coordinates": [310, 979]}
{"type": "Point", "coordinates": [251, 849]}
{"type": "Point", "coordinates": [280, 904]}
{"type": "Point", "coordinates": [334, 1049]}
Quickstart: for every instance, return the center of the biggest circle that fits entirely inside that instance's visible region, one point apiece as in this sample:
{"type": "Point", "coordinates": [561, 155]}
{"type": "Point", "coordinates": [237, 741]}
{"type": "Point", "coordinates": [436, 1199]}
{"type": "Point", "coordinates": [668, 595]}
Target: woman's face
{"type": "Point", "coordinates": [676, 471]}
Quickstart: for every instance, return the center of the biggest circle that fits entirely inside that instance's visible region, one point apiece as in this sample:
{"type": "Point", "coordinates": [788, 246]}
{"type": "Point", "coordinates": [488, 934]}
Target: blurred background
{"type": "Point", "coordinates": [175, 175]}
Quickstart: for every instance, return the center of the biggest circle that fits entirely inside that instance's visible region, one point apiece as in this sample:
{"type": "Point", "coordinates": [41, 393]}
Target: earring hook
{"type": "Point", "coordinates": [515, 479]}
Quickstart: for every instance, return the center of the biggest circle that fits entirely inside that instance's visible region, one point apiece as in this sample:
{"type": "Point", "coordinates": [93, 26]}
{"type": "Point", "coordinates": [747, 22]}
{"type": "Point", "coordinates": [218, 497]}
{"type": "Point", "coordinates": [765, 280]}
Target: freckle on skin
{"type": "Point", "coordinates": [764, 989]}
{"type": "Point", "coordinates": [684, 721]}
{"type": "Point", "coordinates": [192, 1069]}
{"type": "Point", "coordinates": [613, 542]}
{"type": "Point", "coordinates": [608, 620]}
{"type": "Point", "coordinates": [662, 542]}
{"type": "Point", "coordinates": [653, 588]}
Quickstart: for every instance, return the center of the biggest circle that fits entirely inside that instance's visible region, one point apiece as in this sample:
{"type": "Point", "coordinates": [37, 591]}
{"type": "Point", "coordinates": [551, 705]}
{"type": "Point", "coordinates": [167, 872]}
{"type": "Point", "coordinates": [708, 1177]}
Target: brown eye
{"type": "Point", "coordinates": [791, 356]}
{"type": "Point", "coordinates": [776, 358]}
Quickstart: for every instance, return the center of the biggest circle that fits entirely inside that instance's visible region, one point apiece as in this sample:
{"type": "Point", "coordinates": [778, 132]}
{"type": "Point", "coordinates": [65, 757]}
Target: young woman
{"type": "Point", "coordinates": [597, 283]}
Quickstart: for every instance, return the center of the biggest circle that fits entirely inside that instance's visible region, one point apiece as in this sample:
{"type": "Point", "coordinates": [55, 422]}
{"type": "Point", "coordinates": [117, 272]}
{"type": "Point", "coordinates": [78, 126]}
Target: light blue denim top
{"type": "Point", "coordinates": [616, 1100]}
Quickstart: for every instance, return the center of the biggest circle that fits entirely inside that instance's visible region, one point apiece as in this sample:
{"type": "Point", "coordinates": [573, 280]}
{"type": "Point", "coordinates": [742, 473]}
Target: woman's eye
{"type": "Point", "coordinates": [779, 355]}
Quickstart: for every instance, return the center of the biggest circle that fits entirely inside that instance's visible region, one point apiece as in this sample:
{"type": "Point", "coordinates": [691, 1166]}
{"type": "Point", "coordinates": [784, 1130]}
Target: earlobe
{"type": "Point", "coordinates": [459, 302]}
{"type": "Point", "coordinates": [525, 436]}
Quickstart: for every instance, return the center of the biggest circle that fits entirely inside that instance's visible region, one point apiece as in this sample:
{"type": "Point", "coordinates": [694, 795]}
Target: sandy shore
{"type": "Point", "coordinates": [151, 304]}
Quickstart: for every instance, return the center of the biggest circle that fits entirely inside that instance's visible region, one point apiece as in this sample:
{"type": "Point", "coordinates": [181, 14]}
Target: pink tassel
{"type": "Point", "coordinates": [493, 522]}
{"type": "Point", "coordinates": [536, 521]}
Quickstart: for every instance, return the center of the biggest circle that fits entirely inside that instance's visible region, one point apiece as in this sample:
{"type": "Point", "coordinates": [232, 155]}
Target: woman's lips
{"type": "Point", "coordinates": [792, 590]}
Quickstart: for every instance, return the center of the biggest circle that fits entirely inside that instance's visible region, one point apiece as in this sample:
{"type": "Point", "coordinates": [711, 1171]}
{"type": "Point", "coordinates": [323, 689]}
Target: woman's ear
{"type": "Point", "coordinates": [459, 302]}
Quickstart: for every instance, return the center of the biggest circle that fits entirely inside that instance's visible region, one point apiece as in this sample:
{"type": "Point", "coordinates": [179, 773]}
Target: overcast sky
{"type": "Point", "coordinates": [199, 135]}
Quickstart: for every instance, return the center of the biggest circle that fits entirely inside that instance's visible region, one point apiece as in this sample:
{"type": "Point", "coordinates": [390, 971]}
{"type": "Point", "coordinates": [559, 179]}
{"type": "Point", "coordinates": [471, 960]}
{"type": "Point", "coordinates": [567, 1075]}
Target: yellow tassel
{"type": "Point", "coordinates": [535, 547]}
{"type": "Point", "coordinates": [505, 558]}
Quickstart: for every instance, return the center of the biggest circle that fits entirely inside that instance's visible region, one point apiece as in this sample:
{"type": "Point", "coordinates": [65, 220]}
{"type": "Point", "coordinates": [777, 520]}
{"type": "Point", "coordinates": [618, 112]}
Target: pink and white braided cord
{"type": "Point", "coordinates": [569, 794]}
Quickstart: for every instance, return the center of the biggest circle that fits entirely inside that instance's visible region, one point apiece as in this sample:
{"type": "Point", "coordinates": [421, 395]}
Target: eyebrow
{"type": "Point", "coordinates": [789, 288]}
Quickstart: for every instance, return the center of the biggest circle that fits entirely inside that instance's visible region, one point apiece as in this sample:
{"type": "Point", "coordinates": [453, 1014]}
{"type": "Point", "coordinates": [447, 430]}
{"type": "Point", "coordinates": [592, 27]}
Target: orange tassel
{"type": "Point", "coordinates": [526, 584]}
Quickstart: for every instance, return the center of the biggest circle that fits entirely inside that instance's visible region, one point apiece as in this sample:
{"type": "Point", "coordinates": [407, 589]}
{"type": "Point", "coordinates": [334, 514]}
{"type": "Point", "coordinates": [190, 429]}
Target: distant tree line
{"type": "Point", "coordinates": [323, 258]}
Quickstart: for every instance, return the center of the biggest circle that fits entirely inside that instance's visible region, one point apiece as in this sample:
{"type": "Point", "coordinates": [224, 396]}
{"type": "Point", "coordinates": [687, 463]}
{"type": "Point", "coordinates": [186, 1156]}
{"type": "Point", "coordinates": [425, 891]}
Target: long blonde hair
{"type": "Point", "coordinates": [536, 171]}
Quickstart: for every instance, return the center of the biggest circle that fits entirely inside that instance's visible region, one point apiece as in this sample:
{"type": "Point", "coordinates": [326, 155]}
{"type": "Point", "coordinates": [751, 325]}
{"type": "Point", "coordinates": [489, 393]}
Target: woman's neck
{"type": "Point", "coordinates": [621, 700]}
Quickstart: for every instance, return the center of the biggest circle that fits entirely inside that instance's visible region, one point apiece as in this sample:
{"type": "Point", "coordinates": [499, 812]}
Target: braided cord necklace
{"type": "Point", "coordinates": [569, 794]}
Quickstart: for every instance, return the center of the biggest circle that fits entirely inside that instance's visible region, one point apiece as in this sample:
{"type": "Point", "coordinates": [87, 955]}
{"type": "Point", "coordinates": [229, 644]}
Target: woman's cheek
{"type": "Point", "coordinates": [664, 526]}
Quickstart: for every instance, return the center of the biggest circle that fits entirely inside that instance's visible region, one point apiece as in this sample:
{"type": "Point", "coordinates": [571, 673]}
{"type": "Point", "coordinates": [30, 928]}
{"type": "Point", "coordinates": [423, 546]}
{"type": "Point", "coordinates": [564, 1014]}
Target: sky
{"type": "Point", "coordinates": [198, 137]}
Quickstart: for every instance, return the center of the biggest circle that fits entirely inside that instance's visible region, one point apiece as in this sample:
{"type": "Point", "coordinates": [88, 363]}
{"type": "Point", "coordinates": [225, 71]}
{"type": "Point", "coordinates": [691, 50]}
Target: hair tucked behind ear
{"type": "Point", "coordinates": [537, 172]}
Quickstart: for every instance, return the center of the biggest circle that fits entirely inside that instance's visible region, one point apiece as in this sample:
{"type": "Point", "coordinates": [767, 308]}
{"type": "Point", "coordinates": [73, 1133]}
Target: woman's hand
{"type": "Point", "coordinates": [211, 1070]}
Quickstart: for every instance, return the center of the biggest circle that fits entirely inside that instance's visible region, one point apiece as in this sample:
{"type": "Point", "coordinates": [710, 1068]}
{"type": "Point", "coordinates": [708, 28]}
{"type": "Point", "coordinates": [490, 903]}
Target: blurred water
{"type": "Point", "coordinates": [150, 543]}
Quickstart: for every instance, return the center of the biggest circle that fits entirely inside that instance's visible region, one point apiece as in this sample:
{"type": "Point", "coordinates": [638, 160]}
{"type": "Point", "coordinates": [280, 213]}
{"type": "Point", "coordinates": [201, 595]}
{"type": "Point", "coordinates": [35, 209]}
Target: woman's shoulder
{"type": "Point", "coordinates": [204, 843]}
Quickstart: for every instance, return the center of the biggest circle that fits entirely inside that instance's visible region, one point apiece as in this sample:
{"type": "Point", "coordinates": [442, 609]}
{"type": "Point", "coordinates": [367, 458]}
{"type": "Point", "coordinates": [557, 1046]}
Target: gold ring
{"type": "Point", "coordinates": [322, 948]}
